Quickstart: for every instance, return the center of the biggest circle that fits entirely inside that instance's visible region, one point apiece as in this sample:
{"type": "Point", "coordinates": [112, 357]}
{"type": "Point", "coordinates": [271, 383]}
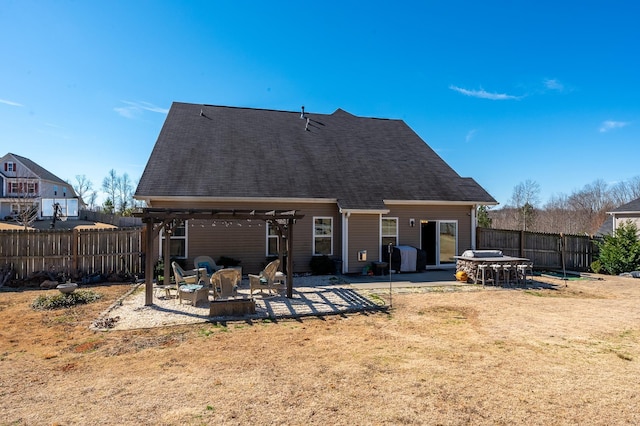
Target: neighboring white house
{"type": "Point", "coordinates": [627, 212]}
{"type": "Point", "coordinates": [26, 185]}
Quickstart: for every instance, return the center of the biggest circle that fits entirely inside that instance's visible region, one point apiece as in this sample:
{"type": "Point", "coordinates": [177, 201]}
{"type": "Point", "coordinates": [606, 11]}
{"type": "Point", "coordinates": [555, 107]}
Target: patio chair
{"type": "Point", "coordinates": [225, 283]}
{"type": "Point", "coordinates": [206, 262]}
{"type": "Point", "coordinates": [266, 279]}
{"type": "Point", "coordinates": [190, 285]}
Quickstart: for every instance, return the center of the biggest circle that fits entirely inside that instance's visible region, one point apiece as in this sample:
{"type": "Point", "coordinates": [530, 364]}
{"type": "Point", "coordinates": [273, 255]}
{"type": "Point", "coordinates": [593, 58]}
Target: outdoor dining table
{"type": "Point", "coordinates": [470, 263]}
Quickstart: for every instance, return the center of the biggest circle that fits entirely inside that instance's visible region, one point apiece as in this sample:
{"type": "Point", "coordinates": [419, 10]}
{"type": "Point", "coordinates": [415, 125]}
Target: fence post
{"type": "Point", "coordinates": [522, 237]}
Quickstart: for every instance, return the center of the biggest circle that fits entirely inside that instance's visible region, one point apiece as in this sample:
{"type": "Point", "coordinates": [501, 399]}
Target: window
{"type": "Point", "coordinates": [178, 242]}
{"type": "Point", "coordinates": [9, 167]}
{"type": "Point", "coordinates": [14, 188]}
{"type": "Point", "coordinates": [448, 241]}
{"type": "Point", "coordinates": [273, 243]}
{"type": "Point", "coordinates": [389, 231]}
{"type": "Point", "coordinates": [322, 236]}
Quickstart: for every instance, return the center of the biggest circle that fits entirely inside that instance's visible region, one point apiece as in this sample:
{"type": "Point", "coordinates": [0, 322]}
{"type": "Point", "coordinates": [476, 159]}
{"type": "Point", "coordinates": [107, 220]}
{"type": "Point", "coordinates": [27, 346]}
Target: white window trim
{"type": "Point", "coordinates": [266, 241]}
{"type": "Point", "coordinates": [179, 237]}
{"type": "Point", "coordinates": [396, 235]}
{"type": "Point", "coordinates": [314, 236]}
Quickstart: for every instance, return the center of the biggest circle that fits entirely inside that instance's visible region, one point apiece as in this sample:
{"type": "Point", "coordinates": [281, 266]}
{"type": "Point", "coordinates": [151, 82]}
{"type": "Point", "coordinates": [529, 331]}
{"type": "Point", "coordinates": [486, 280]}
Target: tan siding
{"type": "Point", "coordinates": [364, 234]}
{"type": "Point", "coordinates": [622, 218]}
{"type": "Point", "coordinates": [411, 236]}
{"type": "Point", "coordinates": [246, 241]}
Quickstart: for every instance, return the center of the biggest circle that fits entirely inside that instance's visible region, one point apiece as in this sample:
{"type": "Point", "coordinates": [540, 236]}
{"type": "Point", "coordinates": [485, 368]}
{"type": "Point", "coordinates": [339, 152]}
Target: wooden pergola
{"type": "Point", "coordinates": [156, 219]}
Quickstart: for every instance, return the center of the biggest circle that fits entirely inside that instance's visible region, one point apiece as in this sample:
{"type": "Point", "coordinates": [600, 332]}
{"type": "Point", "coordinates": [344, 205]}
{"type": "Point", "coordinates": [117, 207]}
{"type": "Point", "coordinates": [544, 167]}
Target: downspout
{"type": "Point", "coordinates": [345, 241]}
{"type": "Point", "coordinates": [380, 237]}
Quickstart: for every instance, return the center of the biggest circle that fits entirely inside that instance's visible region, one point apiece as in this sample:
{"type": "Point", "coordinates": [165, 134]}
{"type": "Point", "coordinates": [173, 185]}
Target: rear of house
{"type": "Point", "coordinates": [361, 183]}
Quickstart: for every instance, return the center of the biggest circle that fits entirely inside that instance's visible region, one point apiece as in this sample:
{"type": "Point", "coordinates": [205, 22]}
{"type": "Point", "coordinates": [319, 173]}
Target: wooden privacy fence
{"type": "Point", "coordinates": [74, 252]}
{"type": "Point", "coordinates": [547, 251]}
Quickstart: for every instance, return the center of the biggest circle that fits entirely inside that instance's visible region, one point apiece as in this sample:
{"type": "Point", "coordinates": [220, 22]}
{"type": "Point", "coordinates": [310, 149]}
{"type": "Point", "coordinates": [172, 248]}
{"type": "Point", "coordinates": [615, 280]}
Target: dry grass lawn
{"type": "Point", "coordinates": [563, 356]}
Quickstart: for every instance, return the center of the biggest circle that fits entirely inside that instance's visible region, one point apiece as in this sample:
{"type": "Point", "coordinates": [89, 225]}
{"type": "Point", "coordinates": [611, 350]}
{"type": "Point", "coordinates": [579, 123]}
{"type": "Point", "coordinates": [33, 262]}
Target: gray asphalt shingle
{"type": "Point", "coordinates": [217, 151]}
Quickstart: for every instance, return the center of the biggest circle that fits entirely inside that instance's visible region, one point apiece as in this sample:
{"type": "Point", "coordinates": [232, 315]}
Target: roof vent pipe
{"type": "Point", "coordinates": [302, 113]}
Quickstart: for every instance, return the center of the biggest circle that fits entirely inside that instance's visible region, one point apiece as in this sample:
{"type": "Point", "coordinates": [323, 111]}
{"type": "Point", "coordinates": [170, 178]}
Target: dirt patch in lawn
{"type": "Point", "coordinates": [546, 356]}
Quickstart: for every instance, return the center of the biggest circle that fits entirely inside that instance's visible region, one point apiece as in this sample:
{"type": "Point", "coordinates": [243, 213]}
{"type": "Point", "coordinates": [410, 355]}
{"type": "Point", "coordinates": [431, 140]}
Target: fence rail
{"type": "Point", "coordinates": [547, 251]}
{"type": "Point", "coordinates": [74, 252]}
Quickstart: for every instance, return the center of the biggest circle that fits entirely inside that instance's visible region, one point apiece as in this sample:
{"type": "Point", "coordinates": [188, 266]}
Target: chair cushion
{"type": "Point", "coordinates": [190, 288]}
{"type": "Point", "coordinates": [263, 281]}
{"type": "Point", "coordinates": [206, 266]}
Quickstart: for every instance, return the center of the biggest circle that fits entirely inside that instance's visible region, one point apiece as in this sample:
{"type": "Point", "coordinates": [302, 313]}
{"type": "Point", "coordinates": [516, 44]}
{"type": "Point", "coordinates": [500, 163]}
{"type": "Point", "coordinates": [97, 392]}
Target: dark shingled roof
{"type": "Point", "coordinates": [41, 172]}
{"type": "Point", "coordinates": [632, 206]}
{"type": "Point", "coordinates": [215, 151]}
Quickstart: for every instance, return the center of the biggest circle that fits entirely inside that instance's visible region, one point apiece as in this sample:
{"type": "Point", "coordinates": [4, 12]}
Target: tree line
{"type": "Point", "coordinates": [119, 190]}
{"type": "Point", "coordinates": [581, 212]}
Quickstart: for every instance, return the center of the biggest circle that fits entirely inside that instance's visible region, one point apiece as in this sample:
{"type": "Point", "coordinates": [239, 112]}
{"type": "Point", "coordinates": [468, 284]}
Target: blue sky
{"type": "Point", "coordinates": [504, 91]}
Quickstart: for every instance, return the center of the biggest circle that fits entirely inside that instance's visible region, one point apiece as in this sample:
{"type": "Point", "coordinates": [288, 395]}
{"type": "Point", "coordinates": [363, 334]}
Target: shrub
{"type": "Point", "coordinates": [620, 252]}
{"type": "Point", "coordinates": [321, 265]}
{"type": "Point", "coordinates": [596, 266]}
{"type": "Point", "coordinates": [59, 301]}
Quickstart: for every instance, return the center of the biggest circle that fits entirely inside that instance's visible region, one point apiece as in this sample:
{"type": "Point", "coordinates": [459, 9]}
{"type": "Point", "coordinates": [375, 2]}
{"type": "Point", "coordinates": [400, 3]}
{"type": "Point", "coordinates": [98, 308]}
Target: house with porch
{"type": "Point", "coordinates": [353, 185]}
{"type": "Point", "coordinates": [25, 186]}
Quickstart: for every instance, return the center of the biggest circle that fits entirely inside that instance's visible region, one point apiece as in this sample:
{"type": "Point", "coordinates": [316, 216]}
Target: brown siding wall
{"type": "Point", "coordinates": [246, 241]}
{"type": "Point", "coordinates": [411, 236]}
{"type": "Point", "coordinates": [364, 234]}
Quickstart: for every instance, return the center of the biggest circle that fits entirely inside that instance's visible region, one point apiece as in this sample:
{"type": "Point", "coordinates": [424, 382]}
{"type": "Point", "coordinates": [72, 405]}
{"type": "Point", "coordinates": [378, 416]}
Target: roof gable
{"type": "Point", "coordinates": [35, 168]}
{"type": "Point", "coordinates": [632, 206]}
{"type": "Point", "coordinates": [214, 151]}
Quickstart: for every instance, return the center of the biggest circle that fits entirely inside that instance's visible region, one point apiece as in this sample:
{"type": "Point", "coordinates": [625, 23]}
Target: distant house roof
{"type": "Point", "coordinates": [38, 170]}
{"type": "Point", "coordinates": [228, 152]}
{"type": "Point", "coordinates": [607, 226]}
{"type": "Point", "coordinates": [630, 207]}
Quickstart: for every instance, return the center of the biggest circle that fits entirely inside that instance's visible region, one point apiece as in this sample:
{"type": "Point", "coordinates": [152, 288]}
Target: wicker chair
{"type": "Point", "coordinates": [190, 285]}
{"type": "Point", "coordinates": [266, 279]}
{"type": "Point", "coordinates": [206, 262]}
{"type": "Point", "coordinates": [225, 283]}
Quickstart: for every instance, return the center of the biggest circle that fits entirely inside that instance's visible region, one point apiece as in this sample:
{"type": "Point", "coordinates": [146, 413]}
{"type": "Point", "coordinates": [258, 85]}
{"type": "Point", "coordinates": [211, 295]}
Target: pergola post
{"type": "Point", "coordinates": [289, 258]}
{"type": "Point", "coordinates": [148, 264]}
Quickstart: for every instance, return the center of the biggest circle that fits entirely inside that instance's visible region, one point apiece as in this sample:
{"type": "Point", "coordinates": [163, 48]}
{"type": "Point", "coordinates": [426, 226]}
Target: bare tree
{"type": "Point", "coordinates": [125, 194]}
{"type": "Point", "coordinates": [110, 186]}
{"type": "Point", "coordinates": [83, 187]}
{"type": "Point", "coordinates": [634, 188]}
{"type": "Point", "coordinates": [590, 205]}
{"type": "Point", "coordinates": [525, 198]}
{"type": "Point", "coordinates": [93, 195]}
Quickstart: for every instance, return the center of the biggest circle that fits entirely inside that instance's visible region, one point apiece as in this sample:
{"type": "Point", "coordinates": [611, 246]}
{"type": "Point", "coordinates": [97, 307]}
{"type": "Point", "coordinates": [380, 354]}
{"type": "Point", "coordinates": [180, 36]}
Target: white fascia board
{"type": "Point", "coordinates": [183, 199]}
{"type": "Point", "coordinates": [364, 211]}
{"type": "Point", "coordinates": [438, 203]}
